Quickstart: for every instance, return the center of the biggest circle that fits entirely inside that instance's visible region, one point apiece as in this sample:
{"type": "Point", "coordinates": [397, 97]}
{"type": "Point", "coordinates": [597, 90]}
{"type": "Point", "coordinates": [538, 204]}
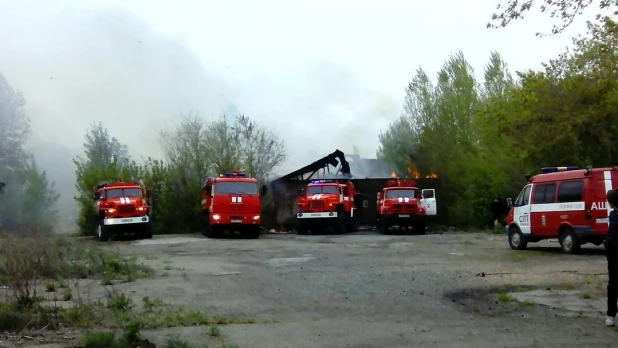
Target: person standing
{"type": "Point", "coordinates": [611, 245]}
{"type": "Point", "coordinates": [496, 208]}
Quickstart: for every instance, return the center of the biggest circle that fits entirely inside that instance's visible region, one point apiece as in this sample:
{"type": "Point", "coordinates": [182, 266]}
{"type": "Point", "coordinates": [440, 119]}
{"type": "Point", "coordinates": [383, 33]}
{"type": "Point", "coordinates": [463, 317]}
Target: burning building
{"type": "Point", "coordinates": [369, 176]}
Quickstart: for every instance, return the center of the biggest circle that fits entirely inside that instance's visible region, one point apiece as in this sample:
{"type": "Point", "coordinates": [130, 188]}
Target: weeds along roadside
{"type": "Point", "coordinates": [45, 285]}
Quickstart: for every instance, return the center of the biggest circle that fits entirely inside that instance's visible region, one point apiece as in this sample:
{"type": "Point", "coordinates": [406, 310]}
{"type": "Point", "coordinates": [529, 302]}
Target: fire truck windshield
{"type": "Point", "coordinates": [127, 192]}
{"type": "Point", "coordinates": [314, 190]}
{"type": "Point", "coordinates": [400, 193]}
{"type": "Point", "coordinates": [238, 188]}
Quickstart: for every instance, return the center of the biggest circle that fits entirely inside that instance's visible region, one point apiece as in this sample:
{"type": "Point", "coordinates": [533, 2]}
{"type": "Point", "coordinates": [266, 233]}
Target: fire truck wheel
{"type": "Point", "coordinates": [255, 234]}
{"type": "Point", "coordinates": [301, 230]}
{"type": "Point", "coordinates": [420, 227]}
{"type": "Point", "coordinates": [103, 232]}
{"type": "Point", "coordinates": [382, 227]}
{"type": "Point", "coordinates": [517, 241]}
{"type": "Point", "coordinates": [251, 232]}
{"type": "Point", "coordinates": [206, 230]}
{"type": "Point", "coordinates": [146, 231]}
{"type": "Point", "coordinates": [352, 226]}
{"type": "Point", "coordinates": [341, 225]}
{"type": "Point", "coordinates": [212, 232]}
{"type": "Point", "coordinates": [569, 242]}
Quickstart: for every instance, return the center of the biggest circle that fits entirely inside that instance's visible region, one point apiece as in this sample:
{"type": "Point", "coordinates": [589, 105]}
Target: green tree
{"type": "Point", "coordinates": [105, 159]}
{"type": "Point", "coordinates": [443, 130]}
{"type": "Point", "coordinates": [197, 150]}
{"type": "Point", "coordinates": [565, 11]}
{"type": "Point", "coordinates": [29, 199]}
{"type": "Point", "coordinates": [260, 149]}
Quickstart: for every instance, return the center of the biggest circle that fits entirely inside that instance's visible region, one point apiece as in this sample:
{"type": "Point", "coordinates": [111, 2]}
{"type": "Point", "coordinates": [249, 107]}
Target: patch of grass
{"type": "Point", "coordinates": [167, 267]}
{"type": "Point", "coordinates": [496, 230]}
{"type": "Point", "coordinates": [67, 295]}
{"type": "Point", "coordinates": [586, 296]}
{"type": "Point", "coordinates": [30, 265]}
{"type": "Point", "coordinates": [50, 286]}
{"type": "Point", "coordinates": [214, 331]}
{"type": "Point", "coordinates": [566, 286]}
{"type": "Point", "coordinates": [99, 339]}
{"type": "Point", "coordinates": [156, 314]}
{"type": "Point", "coordinates": [527, 303]}
{"type": "Point", "coordinates": [130, 336]}
{"type": "Point", "coordinates": [26, 262]}
{"type": "Point", "coordinates": [520, 255]}
{"type": "Point", "coordinates": [504, 297]}
{"type": "Point", "coordinates": [511, 288]}
{"type": "Point", "coordinates": [176, 342]}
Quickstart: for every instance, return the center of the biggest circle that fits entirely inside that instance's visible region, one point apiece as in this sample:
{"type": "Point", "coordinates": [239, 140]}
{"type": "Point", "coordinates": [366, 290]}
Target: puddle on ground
{"type": "Point", "coordinates": [168, 241]}
{"type": "Point", "coordinates": [289, 260]}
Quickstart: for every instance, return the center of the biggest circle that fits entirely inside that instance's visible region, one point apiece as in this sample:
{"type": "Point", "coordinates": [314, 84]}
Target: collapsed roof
{"type": "Point", "coordinates": [356, 169]}
{"type": "Point", "coordinates": [335, 159]}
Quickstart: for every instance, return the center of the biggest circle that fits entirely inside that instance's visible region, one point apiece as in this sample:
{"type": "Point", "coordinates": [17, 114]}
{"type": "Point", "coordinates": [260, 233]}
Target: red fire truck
{"type": "Point", "coordinates": [402, 204]}
{"type": "Point", "coordinates": [121, 207]}
{"type": "Point", "coordinates": [567, 203]}
{"type": "Point", "coordinates": [327, 205]}
{"type": "Point", "coordinates": [231, 202]}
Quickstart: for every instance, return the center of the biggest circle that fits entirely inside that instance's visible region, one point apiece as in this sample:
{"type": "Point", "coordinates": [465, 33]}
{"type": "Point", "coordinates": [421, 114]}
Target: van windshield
{"type": "Point", "coordinates": [238, 188]}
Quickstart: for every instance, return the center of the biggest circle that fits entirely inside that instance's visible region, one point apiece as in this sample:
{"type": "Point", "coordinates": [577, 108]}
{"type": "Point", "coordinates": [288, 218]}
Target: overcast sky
{"type": "Point", "coordinates": [321, 74]}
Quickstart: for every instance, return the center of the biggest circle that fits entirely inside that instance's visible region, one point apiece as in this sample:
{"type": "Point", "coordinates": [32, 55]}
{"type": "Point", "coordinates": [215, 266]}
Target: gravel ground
{"type": "Point", "coordinates": [369, 290]}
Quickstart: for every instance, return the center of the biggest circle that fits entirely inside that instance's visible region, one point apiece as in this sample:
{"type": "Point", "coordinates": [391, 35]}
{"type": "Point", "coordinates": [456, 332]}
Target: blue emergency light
{"type": "Point", "coordinates": [558, 169]}
{"type": "Point", "coordinates": [234, 175]}
{"type": "Point", "coordinates": [321, 181]}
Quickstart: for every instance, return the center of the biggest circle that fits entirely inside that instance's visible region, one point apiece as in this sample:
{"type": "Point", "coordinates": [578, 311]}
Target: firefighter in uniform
{"type": "Point", "coordinates": [497, 208]}
{"type": "Point", "coordinates": [611, 244]}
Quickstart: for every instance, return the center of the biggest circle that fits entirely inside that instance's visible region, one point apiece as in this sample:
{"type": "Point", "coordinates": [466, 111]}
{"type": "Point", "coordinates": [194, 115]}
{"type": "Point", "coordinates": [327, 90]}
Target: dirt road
{"type": "Point", "coordinates": [369, 290]}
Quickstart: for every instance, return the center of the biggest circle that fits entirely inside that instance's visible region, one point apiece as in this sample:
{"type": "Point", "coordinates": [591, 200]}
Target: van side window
{"type": "Point", "coordinates": [527, 195]}
{"type": "Point", "coordinates": [544, 194]}
{"type": "Point", "coordinates": [570, 191]}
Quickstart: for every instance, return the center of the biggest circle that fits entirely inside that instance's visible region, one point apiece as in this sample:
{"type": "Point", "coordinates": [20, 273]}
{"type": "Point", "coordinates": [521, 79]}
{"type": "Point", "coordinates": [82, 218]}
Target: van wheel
{"type": "Point", "coordinates": [569, 242]}
{"type": "Point", "coordinates": [517, 241]}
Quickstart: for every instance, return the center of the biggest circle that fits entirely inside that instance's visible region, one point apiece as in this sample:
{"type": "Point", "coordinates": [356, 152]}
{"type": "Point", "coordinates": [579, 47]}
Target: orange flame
{"type": "Point", "coordinates": [417, 175]}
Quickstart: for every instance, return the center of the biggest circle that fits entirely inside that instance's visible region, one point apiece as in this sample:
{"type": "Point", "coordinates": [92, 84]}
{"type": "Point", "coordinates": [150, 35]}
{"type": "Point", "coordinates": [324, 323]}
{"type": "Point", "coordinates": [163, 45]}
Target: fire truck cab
{"type": "Point", "coordinates": [231, 202]}
{"type": "Point", "coordinates": [327, 205]}
{"type": "Point", "coordinates": [567, 203]}
{"type": "Point", "coordinates": [403, 204]}
{"type": "Point", "coordinates": [121, 208]}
